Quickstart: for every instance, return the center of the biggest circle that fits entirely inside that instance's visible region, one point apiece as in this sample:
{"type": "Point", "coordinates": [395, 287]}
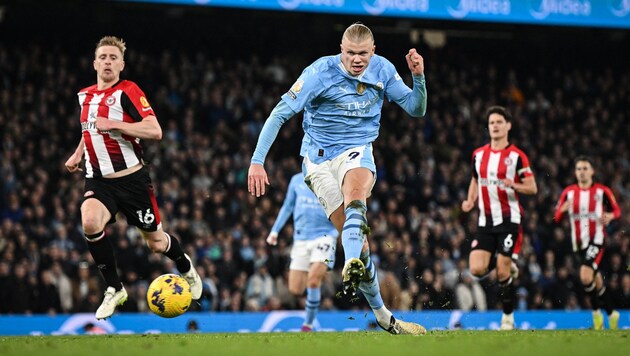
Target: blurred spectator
{"type": "Point", "coordinates": [260, 287]}
{"type": "Point", "coordinates": [469, 295]}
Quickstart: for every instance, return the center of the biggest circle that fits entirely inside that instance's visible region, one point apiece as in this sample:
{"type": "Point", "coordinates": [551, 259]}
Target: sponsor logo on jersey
{"type": "Point", "coordinates": [296, 89]}
{"type": "Point", "coordinates": [88, 126]}
{"type": "Point", "coordinates": [586, 216]}
{"type": "Point", "coordinates": [497, 182]}
{"type": "Point", "coordinates": [361, 88]}
{"type": "Point", "coordinates": [144, 102]}
{"type": "Point", "coordinates": [111, 100]}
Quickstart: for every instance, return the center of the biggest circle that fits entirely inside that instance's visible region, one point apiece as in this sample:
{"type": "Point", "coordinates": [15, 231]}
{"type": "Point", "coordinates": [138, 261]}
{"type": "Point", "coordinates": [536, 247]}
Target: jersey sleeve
{"type": "Point", "coordinates": [135, 103]}
{"type": "Point", "coordinates": [308, 86]}
{"type": "Point", "coordinates": [557, 216]}
{"type": "Point", "coordinates": [523, 169]}
{"type": "Point", "coordinates": [279, 115]}
{"type": "Point", "coordinates": [287, 208]}
{"type": "Point", "coordinates": [413, 101]}
{"type": "Point", "coordinates": [611, 202]}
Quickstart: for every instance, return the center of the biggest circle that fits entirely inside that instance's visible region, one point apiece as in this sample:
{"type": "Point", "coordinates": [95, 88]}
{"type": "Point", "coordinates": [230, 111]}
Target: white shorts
{"type": "Point", "coordinates": [303, 253]}
{"type": "Point", "coordinates": [325, 179]}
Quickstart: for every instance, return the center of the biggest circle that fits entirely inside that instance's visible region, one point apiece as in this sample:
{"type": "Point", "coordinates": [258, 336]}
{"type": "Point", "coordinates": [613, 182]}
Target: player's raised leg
{"type": "Point", "coordinates": [161, 242]}
{"type": "Point", "coordinates": [359, 272]}
{"type": "Point", "coordinates": [94, 217]}
{"type": "Point", "coordinates": [370, 288]}
{"type": "Point", "coordinates": [357, 182]}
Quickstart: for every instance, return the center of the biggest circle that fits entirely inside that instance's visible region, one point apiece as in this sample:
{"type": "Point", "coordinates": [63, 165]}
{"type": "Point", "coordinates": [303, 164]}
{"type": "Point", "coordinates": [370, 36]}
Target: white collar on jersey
{"type": "Point", "coordinates": [359, 77]}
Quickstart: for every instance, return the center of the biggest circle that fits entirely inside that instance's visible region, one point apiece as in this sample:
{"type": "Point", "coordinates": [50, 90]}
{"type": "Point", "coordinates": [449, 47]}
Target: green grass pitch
{"type": "Point", "coordinates": [464, 343]}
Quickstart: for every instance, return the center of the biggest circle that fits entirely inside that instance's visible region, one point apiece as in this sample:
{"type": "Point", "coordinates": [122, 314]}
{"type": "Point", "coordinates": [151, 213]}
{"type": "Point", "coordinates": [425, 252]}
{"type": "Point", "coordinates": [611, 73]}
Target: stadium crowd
{"type": "Point", "coordinates": [212, 109]}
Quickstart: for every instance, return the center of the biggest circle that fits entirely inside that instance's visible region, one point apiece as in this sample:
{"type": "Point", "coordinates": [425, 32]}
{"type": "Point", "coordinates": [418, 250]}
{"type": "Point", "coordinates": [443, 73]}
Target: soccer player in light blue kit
{"type": "Point", "coordinates": [342, 97]}
{"type": "Point", "coordinates": [314, 241]}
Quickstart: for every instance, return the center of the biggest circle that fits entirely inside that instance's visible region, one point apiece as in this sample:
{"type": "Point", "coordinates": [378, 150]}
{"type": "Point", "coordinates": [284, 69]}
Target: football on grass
{"type": "Point", "coordinates": [169, 295]}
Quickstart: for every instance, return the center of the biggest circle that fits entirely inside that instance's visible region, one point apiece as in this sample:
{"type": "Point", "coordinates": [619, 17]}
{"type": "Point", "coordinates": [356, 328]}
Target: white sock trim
{"type": "Point", "coordinates": [96, 238]}
{"type": "Point", "coordinates": [168, 242]}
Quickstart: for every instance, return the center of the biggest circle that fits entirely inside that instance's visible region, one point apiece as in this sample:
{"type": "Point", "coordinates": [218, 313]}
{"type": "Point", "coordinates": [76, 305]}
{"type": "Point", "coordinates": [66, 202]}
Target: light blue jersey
{"type": "Point", "coordinates": [340, 111]}
{"type": "Point", "coordinates": [309, 218]}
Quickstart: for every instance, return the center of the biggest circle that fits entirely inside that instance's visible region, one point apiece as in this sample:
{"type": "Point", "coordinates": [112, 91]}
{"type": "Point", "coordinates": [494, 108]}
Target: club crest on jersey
{"type": "Point", "coordinates": [361, 88]}
{"type": "Point", "coordinates": [111, 100]}
{"type": "Point", "coordinates": [144, 102]}
{"type": "Point", "coordinates": [507, 161]}
{"type": "Point", "coordinates": [323, 202]}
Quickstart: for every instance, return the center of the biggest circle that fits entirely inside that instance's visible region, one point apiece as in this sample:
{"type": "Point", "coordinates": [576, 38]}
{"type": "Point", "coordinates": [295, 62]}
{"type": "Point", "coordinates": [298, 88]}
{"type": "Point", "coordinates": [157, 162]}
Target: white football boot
{"type": "Point", "coordinates": [112, 299]}
{"type": "Point", "coordinates": [192, 277]}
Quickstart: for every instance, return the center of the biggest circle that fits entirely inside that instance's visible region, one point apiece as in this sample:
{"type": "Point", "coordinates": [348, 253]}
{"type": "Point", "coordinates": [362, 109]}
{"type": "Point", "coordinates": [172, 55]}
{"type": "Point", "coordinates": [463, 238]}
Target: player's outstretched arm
{"type": "Point", "coordinates": [413, 101]}
{"type": "Point", "coordinates": [147, 129]}
{"type": "Point", "coordinates": [272, 239]}
{"type": "Point", "coordinates": [527, 186]}
{"type": "Point", "coordinates": [72, 164]}
{"type": "Point", "coordinates": [561, 207]}
{"type": "Point", "coordinates": [469, 203]}
{"type": "Point", "coordinates": [415, 62]}
{"type": "Point", "coordinates": [257, 179]}
{"type": "Point", "coordinates": [610, 200]}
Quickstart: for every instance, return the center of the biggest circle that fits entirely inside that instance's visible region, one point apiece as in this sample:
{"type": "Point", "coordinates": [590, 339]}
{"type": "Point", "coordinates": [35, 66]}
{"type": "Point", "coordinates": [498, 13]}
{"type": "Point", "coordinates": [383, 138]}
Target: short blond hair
{"type": "Point", "coordinates": [358, 32]}
{"type": "Point", "coordinates": [112, 41]}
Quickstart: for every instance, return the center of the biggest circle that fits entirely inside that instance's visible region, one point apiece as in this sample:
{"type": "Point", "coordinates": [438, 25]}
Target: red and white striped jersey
{"type": "Point", "coordinates": [497, 203]}
{"type": "Point", "coordinates": [586, 206]}
{"type": "Point", "coordinates": [109, 152]}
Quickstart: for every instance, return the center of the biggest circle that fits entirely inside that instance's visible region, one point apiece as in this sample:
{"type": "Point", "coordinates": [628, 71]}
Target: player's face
{"type": "Point", "coordinates": [498, 126]}
{"type": "Point", "coordinates": [108, 63]}
{"type": "Point", "coordinates": [355, 56]}
{"type": "Point", "coordinates": [584, 172]}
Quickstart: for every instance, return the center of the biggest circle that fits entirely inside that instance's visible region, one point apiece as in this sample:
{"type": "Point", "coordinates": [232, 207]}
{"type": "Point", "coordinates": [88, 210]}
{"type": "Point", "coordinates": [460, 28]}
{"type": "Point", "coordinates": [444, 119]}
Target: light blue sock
{"type": "Point", "coordinates": [352, 237]}
{"type": "Point", "coordinates": [313, 299]}
{"type": "Point", "coordinates": [369, 286]}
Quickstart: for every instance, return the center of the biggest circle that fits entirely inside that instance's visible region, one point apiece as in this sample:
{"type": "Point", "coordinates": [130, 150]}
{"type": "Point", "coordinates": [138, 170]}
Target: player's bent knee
{"type": "Point", "coordinates": [298, 292]}
{"type": "Point", "coordinates": [586, 281]}
{"type": "Point", "coordinates": [92, 225]}
{"type": "Point", "coordinates": [478, 271]}
{"type": "Point", "coordinates": [503, 275]}
{"type": "Point", "coordinates": [314, 282]}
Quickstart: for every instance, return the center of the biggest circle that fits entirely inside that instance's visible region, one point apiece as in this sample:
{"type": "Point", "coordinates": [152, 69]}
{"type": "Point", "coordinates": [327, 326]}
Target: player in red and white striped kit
{"type": "Point", "coordinates": [591, 207]}
{"type": "Point", "coordinates": [115, 115]}
{"type": "Point", "coordinates": [501, 172]}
